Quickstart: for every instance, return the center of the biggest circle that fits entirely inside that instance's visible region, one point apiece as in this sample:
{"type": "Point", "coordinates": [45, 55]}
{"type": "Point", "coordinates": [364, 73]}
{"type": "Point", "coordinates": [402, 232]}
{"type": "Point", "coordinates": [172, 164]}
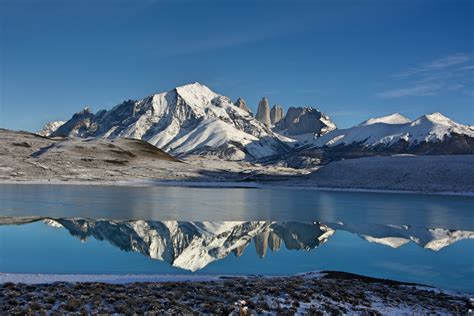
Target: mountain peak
{"type": "Point", "coordinates": [395, 118]}
{"type": "Point", "coordinates": [442, 133]}
{"type": "Point", "coordinates": [196, 94]}
{"type": "Point", "coordinates": [50, 128]}
{"type": "Point", "coordinates": [189, 120]}
{"type": "Point", "coordinates": [195, 84]}
{"type": "Point", "coordinates": [276, 114]}
{"type": "Point", "coordinates": [85, 110]}
{"type": "Point", "coordinates": [263, 112]}
{"type": "Point", "coordinates": [240, 103]}
{"type": "Point", "coordinates": [434, 119]}
{"type": "Point", "coordinates": [437, 117]}
{"type": "Point", "coordinates": [305, 120]}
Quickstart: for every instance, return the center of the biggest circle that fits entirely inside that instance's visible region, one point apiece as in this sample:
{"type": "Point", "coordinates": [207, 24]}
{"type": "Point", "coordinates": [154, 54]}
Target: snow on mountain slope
{"type": "Point", "coordinates": [390, 130]}
{"type": "Point", "coordinates": [191, 119]}
{"type": "Point", "coordinates": [395, 118]}
{"type": "Point", "coordinates": [50, 128]}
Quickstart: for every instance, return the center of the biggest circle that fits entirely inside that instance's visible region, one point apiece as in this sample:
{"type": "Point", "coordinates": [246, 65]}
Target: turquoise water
{"type": "Point", "coordinates": [424, 239]}
{"type": "Point", "coordinates": [227, 204]}
{"type": "Point", "coordinates": [38, 248]}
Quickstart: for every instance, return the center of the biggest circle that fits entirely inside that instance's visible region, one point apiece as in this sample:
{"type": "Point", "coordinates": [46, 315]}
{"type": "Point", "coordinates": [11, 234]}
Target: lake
{"type": "Point", "coordinates": [92, 229]}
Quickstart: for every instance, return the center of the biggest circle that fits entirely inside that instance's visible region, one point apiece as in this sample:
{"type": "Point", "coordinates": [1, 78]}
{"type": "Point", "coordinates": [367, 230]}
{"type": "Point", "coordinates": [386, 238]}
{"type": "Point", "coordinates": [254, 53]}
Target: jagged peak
{"type": "Point", "coordinates": [86, 109]}
{"type": "Point", "coordinates": [395, 118]}
{"type": "Point", "coordinates": [264, 99]}
{"type": "Point", "coordinates": [305, 108]}
{"type": "Point", "coordinates": [50, 127]}
{"type": "Point", "coordinates": [240, 103]}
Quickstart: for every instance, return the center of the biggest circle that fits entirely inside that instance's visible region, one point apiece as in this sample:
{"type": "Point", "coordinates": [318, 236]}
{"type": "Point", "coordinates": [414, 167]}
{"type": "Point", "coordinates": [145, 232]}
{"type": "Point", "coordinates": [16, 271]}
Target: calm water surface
{"type": "Point", "coordinates": [174, 230]}
{"type": "Point", "coordinates": [227, 204]}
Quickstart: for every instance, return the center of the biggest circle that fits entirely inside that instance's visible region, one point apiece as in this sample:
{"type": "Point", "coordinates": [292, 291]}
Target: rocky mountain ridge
{"type": "Point", "coordinates": [263, 112]}
{"type": "Point", "coordinates": [431, 134]}
{"type": "Point", "coordinates": [304, 120]}
{"type": "Point", "coordinates": [191, 119]}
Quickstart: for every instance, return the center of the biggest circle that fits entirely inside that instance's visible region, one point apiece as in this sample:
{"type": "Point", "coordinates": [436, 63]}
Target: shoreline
{"type": "Point", "coordinates": [51, 278]}
{"type": "Point", "coordinates": [45, 278]}
{"type": "Point", "coordinates": [228, 185]}
{"type": "Point", "coordinates": [331, 292]}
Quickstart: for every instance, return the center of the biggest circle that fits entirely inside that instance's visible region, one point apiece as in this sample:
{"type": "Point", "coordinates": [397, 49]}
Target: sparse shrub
{"type": "Point", "coordinates": [9, 285]}
{"type": "Point", "coordinates": [49, 300]}
{"type": "Point", "coordinates": [72, 305]}
{"type": "Point", "coordinates": [35, 306]}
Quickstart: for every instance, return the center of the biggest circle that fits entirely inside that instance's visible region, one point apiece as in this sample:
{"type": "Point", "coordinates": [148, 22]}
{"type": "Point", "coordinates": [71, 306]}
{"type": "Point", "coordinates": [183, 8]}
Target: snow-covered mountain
{"type": "Point", "coordinates": [393, 129]}
{"type": "Point", "coordinates": [194, 120]}
{"type": "Point", "coordinates": [394, 134]}
{"type": "Point", "coordinates": [190, 119]}
{"type": "Point", "coordinates": [50, 128]}
{"type": "Point", "coordinates": [395, 118]}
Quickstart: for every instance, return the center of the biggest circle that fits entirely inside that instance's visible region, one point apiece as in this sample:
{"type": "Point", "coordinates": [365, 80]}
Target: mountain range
{"type": "Point", "coordinates": [194, 120]}
{"type": "Point", "coordinates": [187, 120]}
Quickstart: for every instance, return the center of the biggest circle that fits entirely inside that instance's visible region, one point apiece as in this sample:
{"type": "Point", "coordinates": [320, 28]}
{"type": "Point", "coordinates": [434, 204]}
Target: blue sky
{"type": "Point", "coordinates": [351, 59]}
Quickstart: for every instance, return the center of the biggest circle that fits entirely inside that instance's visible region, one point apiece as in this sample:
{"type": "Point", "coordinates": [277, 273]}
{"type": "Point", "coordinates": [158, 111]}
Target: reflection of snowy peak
{"type": "Point", "coordinates": [396, 236]}
{"type": "Point", "coordinates": [441, 238]}
{"type": "Point", "coordinates": [402, 135]}
{"type": "Point", "coordinates": [193, 245]}
{"type": "Point", "coordinates": [190, 119]}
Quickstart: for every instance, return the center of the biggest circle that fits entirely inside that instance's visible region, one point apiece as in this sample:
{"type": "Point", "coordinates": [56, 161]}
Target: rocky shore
{"type": "Point", "coordinates": [314, 293]}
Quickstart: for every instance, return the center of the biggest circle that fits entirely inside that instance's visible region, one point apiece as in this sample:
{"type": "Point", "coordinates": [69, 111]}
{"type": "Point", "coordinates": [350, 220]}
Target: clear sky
{"type": "Point", "coordinates": [351, 59]}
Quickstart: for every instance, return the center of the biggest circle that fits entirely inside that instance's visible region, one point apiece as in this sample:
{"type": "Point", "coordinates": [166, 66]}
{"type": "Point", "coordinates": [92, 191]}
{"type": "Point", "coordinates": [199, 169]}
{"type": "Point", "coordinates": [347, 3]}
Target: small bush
{"type": "Point", "coordinates": [72, 305]}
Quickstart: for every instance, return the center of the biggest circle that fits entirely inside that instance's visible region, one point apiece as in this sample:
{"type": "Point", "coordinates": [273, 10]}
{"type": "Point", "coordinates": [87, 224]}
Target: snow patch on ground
{"type": "Point", "coordinates": [30, 278]}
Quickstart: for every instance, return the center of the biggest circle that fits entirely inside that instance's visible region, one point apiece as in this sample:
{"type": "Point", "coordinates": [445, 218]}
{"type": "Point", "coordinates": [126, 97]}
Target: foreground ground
{"type": "Point", "coordinates": [27, 157]}
{"type": "Point", "coordinates": [315, 293]}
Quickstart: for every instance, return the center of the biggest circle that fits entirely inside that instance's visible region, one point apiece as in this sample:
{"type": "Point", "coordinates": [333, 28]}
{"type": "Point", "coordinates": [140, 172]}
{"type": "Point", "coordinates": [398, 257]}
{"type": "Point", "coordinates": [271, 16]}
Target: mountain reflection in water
{"type": "Point", "coordinates": [194, 245]}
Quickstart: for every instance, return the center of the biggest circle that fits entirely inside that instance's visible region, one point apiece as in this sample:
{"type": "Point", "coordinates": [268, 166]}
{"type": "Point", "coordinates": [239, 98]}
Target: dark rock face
{"type": "Point", "coordinates": [276, 114]}
{"type": "Point", "coordinates": [305, 156]}
{"type": "Point", "coordinates": [263, 112]}
{"type": "Point", "coordinates": [305, 120]}
{"type": "Point", "coordinates": [240, 103]}
{"type": "Point", "coordinates": [454, 145]}
{"type": "Point", "coordinates": [77, 125]}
